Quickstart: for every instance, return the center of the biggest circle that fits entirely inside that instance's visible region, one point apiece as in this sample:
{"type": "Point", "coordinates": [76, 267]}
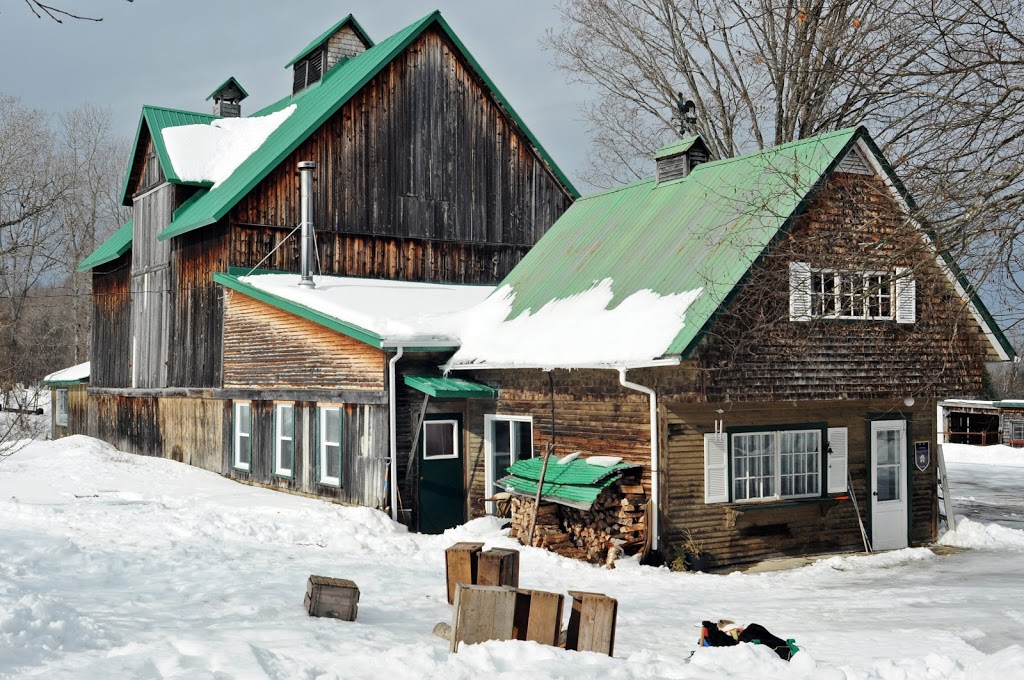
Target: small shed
{"type": "Point", "coordinates": [983, 423]}
{"type": "Point", "coordinates": [69, 400]}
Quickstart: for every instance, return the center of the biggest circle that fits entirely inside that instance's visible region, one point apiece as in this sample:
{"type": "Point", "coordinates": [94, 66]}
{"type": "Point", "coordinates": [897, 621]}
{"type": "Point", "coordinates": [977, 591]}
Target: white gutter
{"type": "Point", "coordinates": [655, 486]}
{"type": "Point", "coordinates": [392, 433]}
{"type": "Point", "coordinates": [652, 363]}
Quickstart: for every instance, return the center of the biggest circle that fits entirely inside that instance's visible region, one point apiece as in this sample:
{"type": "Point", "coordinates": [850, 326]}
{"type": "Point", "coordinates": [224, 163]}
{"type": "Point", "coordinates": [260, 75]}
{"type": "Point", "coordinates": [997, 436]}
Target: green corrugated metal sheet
{"type": "Point", "coordinates": [576, 483]}
{"type": "Point", "coordinates": [313, 107]}
{"type": "Point", "coordinates": [450, 388]}
{"type": "Point", "coordinates": [702, 231]}
{"type": "Point", "coordinates": [675, 147]}
{"type": "Point", "coordinates": [225, 84]}
{"type": "Point", "coordinates": [155, 119]}
{"type": "Point", "coordinates": [319, 40]}
{"type": "Point", "coordinates": [114, 247]}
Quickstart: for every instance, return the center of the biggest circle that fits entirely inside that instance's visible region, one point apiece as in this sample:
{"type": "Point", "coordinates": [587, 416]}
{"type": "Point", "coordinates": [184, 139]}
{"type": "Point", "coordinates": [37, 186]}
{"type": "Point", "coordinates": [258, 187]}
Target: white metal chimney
{"type": "Point", "coordinates": [306, 194]}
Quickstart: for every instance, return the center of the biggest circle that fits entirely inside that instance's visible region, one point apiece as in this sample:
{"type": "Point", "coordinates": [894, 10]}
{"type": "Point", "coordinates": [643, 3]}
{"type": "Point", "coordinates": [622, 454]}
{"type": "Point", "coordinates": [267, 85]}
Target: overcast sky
{"type": "Point", "coordinates": [175, 52]}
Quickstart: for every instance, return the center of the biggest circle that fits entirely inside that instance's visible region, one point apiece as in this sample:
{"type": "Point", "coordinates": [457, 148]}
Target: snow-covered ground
{"type": "Point", "coordinates": [118, 566]}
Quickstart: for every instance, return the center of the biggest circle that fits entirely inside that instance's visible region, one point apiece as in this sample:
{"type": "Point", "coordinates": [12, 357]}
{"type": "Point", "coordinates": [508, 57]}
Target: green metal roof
{"type": "Point", "coordinates": [320, 39]}
{"type": "Point", "coordinates": [154, 119]}
{"type": "Point", "coordinates": [225, 84]}
{"type": "Point", "coordinates": [450, 388]}
{"type": "Point", "coordinates": [361, 334]}
{"type": "Point", "coordinates": [676, 147]}
{"type": "Point", "coordinates": [576, 483]}
{"type": "Point", "coordinates": [313, 107]}
{"type": "Point", "coordinates": [703, 231]}
{"type": "Point", "coordinates": [116, 245]}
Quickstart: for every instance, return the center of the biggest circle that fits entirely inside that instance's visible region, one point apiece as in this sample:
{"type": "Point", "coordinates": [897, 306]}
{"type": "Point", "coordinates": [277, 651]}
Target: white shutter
{"type": "Point", "coordinates": [837, 438]}
{"type": "Point", "coordinates": [906, 296]}
{"type": "Point", "coordinates": [716, 468]}
{"type": "Point", "coordinates": [799, 291]}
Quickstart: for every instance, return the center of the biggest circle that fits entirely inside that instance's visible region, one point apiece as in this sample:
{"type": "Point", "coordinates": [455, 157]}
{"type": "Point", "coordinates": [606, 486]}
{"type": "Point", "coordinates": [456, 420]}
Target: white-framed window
{"type": "Point", "coordinates": [62, 408]}
{"type": "Point", "coordinates": [329, 454]}
{"type": "Point", "coordinates": [440, 439]}
{"type": "Point", "coordinates": [507, 439]}
{"type": "Point", "coordinates": [1017, 433]}
{"type": "Point", "coordinates": [242, 428]}
{"type": "Point", "coordinates": [284, 439]}
{"type": "Point", "coordinates": [819, 293]}
{"type": "Point", "coordinates": [780, 464]}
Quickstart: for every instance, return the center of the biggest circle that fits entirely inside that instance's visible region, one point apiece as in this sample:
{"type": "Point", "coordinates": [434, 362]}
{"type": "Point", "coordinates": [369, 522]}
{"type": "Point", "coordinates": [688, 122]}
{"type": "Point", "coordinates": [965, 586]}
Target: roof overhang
{"type": "Point", "coordinates": [440, 387]}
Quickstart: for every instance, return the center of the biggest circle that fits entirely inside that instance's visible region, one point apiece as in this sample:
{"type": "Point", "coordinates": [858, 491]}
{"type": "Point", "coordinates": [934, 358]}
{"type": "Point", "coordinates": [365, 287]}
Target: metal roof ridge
{"type": "Point", "coordinates": [775, 149]}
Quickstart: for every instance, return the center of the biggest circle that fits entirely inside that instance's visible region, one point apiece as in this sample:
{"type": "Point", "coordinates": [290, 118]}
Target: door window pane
{"type": "Point", "coordinates": [439, 439]}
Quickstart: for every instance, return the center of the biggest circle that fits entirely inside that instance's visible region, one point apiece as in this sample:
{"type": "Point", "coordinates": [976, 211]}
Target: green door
{"type": "Point", "coordinates": [441, 498]}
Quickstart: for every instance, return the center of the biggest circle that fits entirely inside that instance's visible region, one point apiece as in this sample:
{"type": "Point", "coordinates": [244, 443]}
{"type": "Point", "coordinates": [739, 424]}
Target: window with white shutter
{"type": "Point", "coordinates": [906, 296]}
{"type": "Point", "coordinates": [799, 291]}
{"type": "Point", "coordinates": [716, 468]}
{"type": "Point", "coordinates": [837, 447]}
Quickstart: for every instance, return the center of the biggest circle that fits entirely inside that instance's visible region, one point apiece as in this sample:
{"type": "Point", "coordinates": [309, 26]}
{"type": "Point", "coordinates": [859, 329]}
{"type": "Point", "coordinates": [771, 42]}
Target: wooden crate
{"type": "Point", "coordinates": [498, 567]}
{"type": "Point", "coordinates": [335, 598]}
{"type": "Point", "coordinates": [461, 565]}
{"type": "Point", "coordinates": [592, 623]}
{"type": "Point", "coordinates": [538, 616]}
{"type": "Point", "coordinates": [482, 613]}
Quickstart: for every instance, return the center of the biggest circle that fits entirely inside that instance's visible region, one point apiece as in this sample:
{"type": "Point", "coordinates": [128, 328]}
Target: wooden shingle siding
{"type": "Point", "coordinates": [343, 44]}
{"type": "Point", "coordinates": [421, 157]}
{"type": "Point", "coordinates": [752, 352]}
{"type": "Point", "coordinates": [196, 317]}
{"type": "Point", "coordinates": [265, 347]}
{"type": "Point", "coordinates": [111, 323]}
{"type": "Point", "coordinates": [732, 533]}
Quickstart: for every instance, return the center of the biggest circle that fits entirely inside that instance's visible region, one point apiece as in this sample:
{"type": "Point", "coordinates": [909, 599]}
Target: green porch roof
{"type": "Point", "coordinates": [450, 388]}
{"type": "Point", "coordinates": [154, 119]}
{"type": "Point", "coordinates": [116, 245]}
{"type": "Point", "coordinates": [576, 483]}
{"type": "Point", "coordinates": [320, 39]}
{"type": "Point", "coordinates": [316, 105]}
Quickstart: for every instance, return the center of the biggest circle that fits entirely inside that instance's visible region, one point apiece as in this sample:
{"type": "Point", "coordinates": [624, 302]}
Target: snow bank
{"type": "Point", "coordinates": [970, 534]}
{"type": "Point", "coordinates": [210, 153]}
{"type": "Point", "coordinates": [998, 454]}
{"type": "Point", "coordinates": [577, 331]}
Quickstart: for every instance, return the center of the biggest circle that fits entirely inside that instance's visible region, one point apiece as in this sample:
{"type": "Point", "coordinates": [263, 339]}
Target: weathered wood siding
{"type": "Point", "coordinates": [111, 323]}
{"type": "Point", "coordinates": [265, 347]}
{"type": "Point", "coordinates": [151, 283]}
{"type": "Point", "coordinates": [420, 176]}
{"type": "Point", "coordinates": [735, 533]}
{"type": "Point", "coordinates": [754, 353]}
{"type": "Point", "coordinates": [363, 461]}
{"type": "Point", "coordinates": [127, 423]}
{"type": "Point", "coordinates": [192, 430]}
{"type": "Point", "coordinates": [197, 307]}
{"type": "Point", "coordinates": [78, 411]}
{"type": "Point", "coordinates": [593, 414]}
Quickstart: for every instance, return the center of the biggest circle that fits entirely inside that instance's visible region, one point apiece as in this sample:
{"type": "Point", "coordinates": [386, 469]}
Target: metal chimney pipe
{"type": "Point", "coordinates": [306, 194]}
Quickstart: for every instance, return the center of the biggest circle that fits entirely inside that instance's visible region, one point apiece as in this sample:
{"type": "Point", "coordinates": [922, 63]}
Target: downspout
{"type": "Point", "coordinates": [392, 433]}
{"type": "Point", "coordinates": [655, 486]}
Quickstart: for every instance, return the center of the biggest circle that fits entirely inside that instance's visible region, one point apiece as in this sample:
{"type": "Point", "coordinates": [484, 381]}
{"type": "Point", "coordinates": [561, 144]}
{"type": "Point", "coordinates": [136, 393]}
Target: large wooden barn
{"type": "Point", "coordinates": [423, 173]}
{"type": "Point", "coordinates": [767, 336]}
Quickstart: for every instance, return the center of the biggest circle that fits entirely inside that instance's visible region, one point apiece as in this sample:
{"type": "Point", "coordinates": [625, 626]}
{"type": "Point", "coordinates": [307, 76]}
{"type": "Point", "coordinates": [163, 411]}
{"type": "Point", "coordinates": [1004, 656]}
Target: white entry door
{"type": "Point", "coordinates": [889, 486]}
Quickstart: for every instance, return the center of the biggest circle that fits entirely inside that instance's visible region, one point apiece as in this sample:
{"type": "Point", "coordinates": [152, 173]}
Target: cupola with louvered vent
{"type": "Point", "coordinates": [339, 43]}
{"type": "Point", "coordinates": [227, 99]}
{"type": "Point", "coordinates": [680, 158]}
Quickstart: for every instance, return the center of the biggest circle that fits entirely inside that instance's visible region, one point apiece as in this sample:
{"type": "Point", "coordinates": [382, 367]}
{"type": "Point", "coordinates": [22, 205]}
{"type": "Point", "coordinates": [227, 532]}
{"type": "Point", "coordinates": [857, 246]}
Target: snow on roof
{"type": "Point", "coordinates": [79, 372]}
{"type": "Point", "coordinates": [574, 332]}
{"type": "Point", "coordinates": [399, 311]}
{"type": "Point", "coordinates": [210, 153]}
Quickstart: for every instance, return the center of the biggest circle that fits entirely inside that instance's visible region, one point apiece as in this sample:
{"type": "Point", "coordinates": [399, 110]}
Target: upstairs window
{"type": "Point", "coordinates": [838, 294]}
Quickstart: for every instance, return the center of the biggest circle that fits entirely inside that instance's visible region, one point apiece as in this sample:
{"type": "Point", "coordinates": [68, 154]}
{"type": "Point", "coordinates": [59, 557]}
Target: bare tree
{"type": "Point", "coordinates": [940, 83]}
{"type": "Point", "coordinates": [56, 13]}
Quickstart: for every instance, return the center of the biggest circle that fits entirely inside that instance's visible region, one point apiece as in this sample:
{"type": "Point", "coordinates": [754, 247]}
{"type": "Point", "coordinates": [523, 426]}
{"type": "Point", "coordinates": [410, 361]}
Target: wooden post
{"type": "Point", "coordinates": [540, 486]}
{"type": "Point", "coordinates": [538, 616]}
{"type": "Point", "coordinates": [498, 567]}
{"type": "Point", "coordinates": [482, 613]}
{"type": "Point", "coordinates": [335, 598]}
{"type": "Point", "coordinates": [461, 565]}
{"type": "Point", "coordinates": [592, 623]}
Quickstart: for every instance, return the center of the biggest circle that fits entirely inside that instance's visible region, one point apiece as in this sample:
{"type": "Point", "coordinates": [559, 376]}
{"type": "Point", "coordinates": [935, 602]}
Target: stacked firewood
{"type": "Point", "coordinates": [615, 518]}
